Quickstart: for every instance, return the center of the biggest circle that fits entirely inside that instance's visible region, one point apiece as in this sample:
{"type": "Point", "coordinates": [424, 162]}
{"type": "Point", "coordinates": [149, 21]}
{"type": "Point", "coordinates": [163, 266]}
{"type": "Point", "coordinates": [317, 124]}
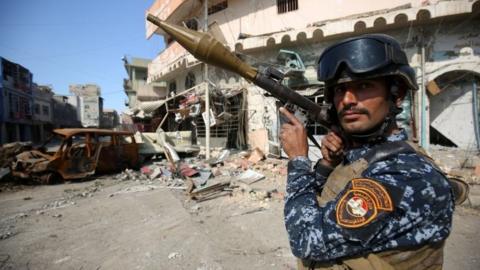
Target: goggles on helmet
{"type": "Point", "coordinates": [361, 54]}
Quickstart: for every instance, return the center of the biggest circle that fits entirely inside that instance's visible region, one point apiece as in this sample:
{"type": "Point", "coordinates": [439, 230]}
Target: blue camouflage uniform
{"type": "Point", "coordinates": [422, 212]}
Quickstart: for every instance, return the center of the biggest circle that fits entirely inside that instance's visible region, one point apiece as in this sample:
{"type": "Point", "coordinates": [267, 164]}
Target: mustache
{"type": "Point", "coordinates": [351, 108]}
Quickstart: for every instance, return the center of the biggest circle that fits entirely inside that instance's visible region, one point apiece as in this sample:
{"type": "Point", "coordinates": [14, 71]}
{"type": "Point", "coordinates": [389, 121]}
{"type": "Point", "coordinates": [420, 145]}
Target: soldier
{"type": "Point", "coordinates": [374, 201]}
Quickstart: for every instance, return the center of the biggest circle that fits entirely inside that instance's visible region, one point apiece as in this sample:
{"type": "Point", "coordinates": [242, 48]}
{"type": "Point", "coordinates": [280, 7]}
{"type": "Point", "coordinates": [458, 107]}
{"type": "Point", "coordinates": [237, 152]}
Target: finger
{"type": "Point", "coordinates": [326, 154]}
{"type": "Point", "coordinates": [334, 141]}
{"type": "Point", "coordinates": [332, 144]}
{"type": "Point", "coordinates": [336, 137]}
{"type": "Point", "coordinates": [286, 126]}
{"type": "Point", "coordinates": [334, 148]}
{"type": "Point", "coordinates": [291, 118]}
{"type": "Point", "coordinates": [330, 147]}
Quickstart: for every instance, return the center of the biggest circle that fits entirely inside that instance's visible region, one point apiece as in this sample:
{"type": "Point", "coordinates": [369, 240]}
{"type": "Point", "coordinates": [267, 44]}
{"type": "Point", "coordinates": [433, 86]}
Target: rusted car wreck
{"type": "Point", "coordinates": [76, 153]}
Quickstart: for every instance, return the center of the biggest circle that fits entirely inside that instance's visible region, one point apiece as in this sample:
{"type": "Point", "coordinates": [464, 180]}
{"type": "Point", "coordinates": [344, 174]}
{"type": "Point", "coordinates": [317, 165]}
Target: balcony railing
{"type": "Point", "coordinates": [172, 58]}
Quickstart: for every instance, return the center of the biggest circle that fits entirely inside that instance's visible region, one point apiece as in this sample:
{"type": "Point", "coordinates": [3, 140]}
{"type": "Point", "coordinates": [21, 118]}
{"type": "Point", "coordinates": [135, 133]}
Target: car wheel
{"type": "Point", "coordinates": [51, 178]}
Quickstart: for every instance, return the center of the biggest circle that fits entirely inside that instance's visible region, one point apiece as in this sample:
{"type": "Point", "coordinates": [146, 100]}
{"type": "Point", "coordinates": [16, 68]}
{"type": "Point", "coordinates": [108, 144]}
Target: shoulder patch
{"type": "Point", "coordinates": [362, 203]}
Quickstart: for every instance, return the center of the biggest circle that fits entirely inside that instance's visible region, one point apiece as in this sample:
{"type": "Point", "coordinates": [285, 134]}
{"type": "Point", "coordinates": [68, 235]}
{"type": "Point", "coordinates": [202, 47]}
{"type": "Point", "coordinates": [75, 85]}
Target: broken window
{"type": "Point", "coordinates": [172, 88]}
{"type": "Point", "coordinates": [229, 117]}
{"type": "Point", "coordinates": [190, 80]}
{"type": "Point", "coordinates": [192, 24]}
{"type": "Point", "coordinates": [45, 110]}
{"type": "Point", "coordinates": [285, 6]}
{"type": "Point", "coordinates": [217, 6]}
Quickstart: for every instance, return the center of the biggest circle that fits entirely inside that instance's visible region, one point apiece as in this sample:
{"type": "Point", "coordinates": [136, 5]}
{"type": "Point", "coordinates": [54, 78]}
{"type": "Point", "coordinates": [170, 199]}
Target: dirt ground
{"type": "Point", "coordinates": [108, 223]}
{"type": "Point", "coordinates": [112, 224]}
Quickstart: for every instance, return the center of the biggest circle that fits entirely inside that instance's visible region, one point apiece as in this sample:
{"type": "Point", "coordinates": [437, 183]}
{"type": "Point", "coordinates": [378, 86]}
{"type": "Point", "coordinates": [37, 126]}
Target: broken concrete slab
{"type": "Point", "coordinates": [212, 190]}
{"type": "Point", "coordinates": [187, 171]}
{"type": "Point", "coordinates": [155, 173]}
{"type": "Point", "coordinates": [250, 176]}
{"type": "Point", "coordinates": [221, 158]}
{"type": "Point", "coordinates": [202, 178]}
{"type": "Point", "coordinates": [256, 155]}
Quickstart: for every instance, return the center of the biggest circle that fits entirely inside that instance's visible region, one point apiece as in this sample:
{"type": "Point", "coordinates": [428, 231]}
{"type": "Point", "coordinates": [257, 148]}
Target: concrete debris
{"type": "Point", "coordinates": [202, 177]}
{"type": "Point", "coordinates": [146, 170]}
{"type": "Point", "coordinates": [140, 188]}
{"type": "Point", "coordinates": [253, 211]}
{"type": "Point", "coordinates": [155, 173]}
{"type": "Point", "coordinates": [8, 152]}
{"type": "Point", "coordinates": [174, 255]}
{"type": "Point", "coordinates": [20, 215]}
{"type": "Point", "coordinates": [256, 156]}
{"type": "Point", "coordinates": [250, 176]}
{"type": "Point", "coordinates": [187, 171]}
{"type": "Point", "coordinates": [5, 235]}
{"type": "Point", "coordinates": [221, 158]}
{"type": "Point", "coordinates": [211, 190]}
{"type": "Point", "coordinates": [58, 204]}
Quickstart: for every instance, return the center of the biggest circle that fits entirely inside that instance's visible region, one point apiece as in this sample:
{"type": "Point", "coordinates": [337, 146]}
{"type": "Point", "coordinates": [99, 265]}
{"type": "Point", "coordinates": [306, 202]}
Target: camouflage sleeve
{"type": "Point", "coordinates": [347, 226]}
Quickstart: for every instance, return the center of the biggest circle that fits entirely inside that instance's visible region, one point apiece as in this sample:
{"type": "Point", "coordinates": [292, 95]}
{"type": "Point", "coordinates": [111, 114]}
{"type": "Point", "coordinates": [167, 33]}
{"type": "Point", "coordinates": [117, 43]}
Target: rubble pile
{"type": "Point", "coordinates": [7, 155]}
{"type": "Point", "coordinates": [463, 164]}
{"type": "Point", "coordinates": [226, 173]}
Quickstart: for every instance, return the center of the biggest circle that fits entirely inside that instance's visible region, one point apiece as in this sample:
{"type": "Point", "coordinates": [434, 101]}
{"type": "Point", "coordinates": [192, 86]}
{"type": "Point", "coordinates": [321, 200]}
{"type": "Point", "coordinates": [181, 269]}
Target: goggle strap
{"type": "Point", "coordinates": [396, 56]}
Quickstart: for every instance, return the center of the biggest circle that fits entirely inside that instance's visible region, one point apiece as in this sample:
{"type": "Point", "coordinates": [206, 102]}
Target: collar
{"type": "Point", "coordinates": [357, 153]}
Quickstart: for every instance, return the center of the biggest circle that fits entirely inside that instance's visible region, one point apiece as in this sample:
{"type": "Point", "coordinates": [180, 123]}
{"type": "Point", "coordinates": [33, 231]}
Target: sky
{"type": "Point", "coordinates": [65, 42]}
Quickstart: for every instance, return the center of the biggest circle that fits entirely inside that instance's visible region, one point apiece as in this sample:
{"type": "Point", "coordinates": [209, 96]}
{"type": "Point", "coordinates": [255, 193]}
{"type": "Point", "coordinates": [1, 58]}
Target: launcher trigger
{"type": "Point", "coordinates": [290, 108]}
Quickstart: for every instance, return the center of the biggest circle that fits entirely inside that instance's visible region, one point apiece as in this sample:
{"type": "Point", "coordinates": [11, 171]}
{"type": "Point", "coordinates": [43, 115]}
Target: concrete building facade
{"type": "Point", "coordinates": [15, 102]}
{"type": "Point", "coordinates": [64, 113]}
{"type": "Point", "coordinates": [88, 102]}
{"type": "Point", "coordinates": [441, 39]}
{"type": "Point", "coordinates": [42, 112]}
{"type": "Point", "coordinates": [110, 119]}
{"type": "Point", "coordinates": [142, 95]}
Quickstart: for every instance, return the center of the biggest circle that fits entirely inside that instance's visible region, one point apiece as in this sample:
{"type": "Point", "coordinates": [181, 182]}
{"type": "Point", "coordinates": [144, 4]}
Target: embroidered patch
{"type": "Point", "coordinates": [362, 203]}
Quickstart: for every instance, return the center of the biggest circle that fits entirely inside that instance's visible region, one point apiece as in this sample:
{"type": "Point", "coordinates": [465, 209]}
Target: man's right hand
{"type": "Point", "coordinates": [332, 149]}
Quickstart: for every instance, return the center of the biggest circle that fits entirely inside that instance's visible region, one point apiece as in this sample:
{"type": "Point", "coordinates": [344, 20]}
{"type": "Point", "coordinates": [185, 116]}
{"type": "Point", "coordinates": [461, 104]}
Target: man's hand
{"type": "Point", "coordinates": [293, 136]}
{"type": "Point", "coordinates": [332, 149]}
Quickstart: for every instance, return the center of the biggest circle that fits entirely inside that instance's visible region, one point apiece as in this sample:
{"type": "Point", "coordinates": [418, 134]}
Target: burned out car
{"type": "Point", "coordinates": [76, 153]}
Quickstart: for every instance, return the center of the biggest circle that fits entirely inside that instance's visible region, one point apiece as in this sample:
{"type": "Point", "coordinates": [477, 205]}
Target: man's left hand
{"type": "Point", "coordinates": [293, 136]}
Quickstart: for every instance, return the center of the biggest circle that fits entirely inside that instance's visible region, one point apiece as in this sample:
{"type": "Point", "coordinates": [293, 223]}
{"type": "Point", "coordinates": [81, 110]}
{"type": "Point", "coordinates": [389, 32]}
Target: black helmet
{"type": "Point", "coordinates": [362, 57]}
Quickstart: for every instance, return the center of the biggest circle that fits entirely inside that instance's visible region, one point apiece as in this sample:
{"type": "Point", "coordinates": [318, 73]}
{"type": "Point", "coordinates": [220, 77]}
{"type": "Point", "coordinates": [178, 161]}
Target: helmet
{"type": "Point", "coordinates": [364, 57]}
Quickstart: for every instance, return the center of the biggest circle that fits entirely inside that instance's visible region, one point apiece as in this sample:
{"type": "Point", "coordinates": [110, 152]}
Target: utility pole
{"type": "Point", "coordinates": [424, 112]}
{"type": "Point", "coordinates": [207, 93]}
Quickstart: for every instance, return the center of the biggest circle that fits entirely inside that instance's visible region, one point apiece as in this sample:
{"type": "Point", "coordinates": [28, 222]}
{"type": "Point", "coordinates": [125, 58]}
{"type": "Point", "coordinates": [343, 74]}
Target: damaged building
{"type": "Point", "coordinates": [439, 37]}
{"type": "Point", "coordinates": [178, 106]}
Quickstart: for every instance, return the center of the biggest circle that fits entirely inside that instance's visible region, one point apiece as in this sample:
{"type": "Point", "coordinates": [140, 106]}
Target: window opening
{"type": "Point", "coordinates": [217, 7]}
{"type": "Point", "coordinates": [172, 88]}
{"type": "Point", "coordinates": [190, 80]}
{"type": "Point", "coordinates": [46, 111]}
{"type": "Point", "coordinates": [285, 6]}
{"type": "Point", "coordinates": [192, 24]}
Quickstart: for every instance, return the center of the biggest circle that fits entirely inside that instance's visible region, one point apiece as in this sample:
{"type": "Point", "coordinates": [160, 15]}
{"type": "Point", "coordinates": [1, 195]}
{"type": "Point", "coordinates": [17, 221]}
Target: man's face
{"type": "Point", "coordinates": [361, 105]}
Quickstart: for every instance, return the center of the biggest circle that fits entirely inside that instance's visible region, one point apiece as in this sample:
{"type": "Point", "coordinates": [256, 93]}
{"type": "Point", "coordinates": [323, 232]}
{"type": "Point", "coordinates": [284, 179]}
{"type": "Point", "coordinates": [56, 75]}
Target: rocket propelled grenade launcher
{"type": "Point", "coordinates": [209, 50]}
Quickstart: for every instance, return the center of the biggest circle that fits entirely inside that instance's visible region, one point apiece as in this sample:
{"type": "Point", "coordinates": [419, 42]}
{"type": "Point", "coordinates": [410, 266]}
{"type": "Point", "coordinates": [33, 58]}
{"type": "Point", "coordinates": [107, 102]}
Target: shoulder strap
{"type": "Point", "coordinates": [385, 150]}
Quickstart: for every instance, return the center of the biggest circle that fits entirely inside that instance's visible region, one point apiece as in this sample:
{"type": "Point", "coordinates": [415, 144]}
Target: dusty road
{"type": "Point", "coordinates": [112, 224]}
